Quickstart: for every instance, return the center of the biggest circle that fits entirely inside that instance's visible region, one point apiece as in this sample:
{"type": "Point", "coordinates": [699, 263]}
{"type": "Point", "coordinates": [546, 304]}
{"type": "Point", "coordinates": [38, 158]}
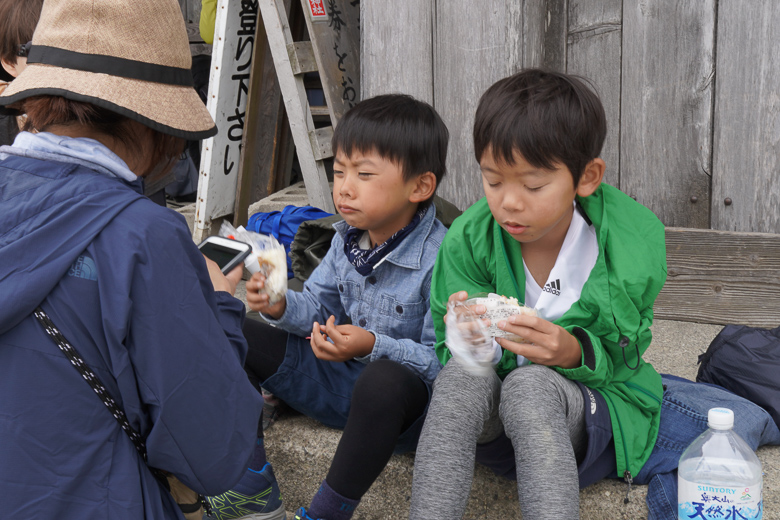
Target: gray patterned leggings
{"type": "Point", "coordinates": [542, 413]}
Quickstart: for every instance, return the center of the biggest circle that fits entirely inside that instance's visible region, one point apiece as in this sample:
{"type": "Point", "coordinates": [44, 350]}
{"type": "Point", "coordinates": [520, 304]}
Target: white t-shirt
{"type": "Point", "coordinates": [563, 287]}
{"type": "Point", "coordinates": [572, 268]}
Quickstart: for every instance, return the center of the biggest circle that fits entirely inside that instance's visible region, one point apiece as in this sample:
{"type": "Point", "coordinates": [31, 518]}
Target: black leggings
{"type": "Point", "coordinates": [267, 346]}
{"type": "Point", "coordinates": [386, 400]}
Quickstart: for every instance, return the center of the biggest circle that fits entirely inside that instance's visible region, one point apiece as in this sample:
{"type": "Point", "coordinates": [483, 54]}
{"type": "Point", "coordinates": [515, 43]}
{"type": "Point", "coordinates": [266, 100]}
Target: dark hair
{"type": "Point", "coordinates": [547, 117]}
{"type": "Point", "coordinates": [45, 111]}
{"type": "Point", "coordinates": [400, 129]}
{"type": "Point", "coordinates": [18, 19]}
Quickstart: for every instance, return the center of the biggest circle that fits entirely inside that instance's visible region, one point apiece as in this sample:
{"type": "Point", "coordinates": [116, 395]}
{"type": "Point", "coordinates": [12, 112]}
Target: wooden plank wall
{"type": "Point", "coordinates": [747, 117]}
{"type": "Point", "coordinates": [594, 44]}
{"type": "Point", "coordinates": [691, 90]}
{"type": "Point", "coordinates": [721, 277]}
{"type": "Point", "coordinates": [666, 102]}
{"type": "Point", "coordinates": [396, 48]}
{"type": "Point", "coordinates": [191, 10]}
{"type": "Point", "coordinates": [480, 61]}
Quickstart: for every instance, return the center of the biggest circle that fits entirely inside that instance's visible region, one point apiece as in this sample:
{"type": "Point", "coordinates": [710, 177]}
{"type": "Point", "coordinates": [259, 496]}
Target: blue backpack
{"type": "Point", "coordinates": [283, 225]}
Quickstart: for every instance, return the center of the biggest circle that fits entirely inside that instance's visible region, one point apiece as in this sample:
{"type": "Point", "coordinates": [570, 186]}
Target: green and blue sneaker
{"type": "Point", "coordinates": [255, 497]}
{"type": "Point", "coordinates": [301, 514]}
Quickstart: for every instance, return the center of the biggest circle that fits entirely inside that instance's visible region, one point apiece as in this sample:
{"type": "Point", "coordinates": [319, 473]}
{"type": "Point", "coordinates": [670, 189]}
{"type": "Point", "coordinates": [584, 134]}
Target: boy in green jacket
{"type": "Point", "coordinates": [577, 403]}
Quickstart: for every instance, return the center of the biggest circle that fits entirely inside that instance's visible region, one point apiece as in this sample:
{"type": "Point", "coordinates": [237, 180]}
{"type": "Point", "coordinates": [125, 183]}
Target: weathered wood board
{"type": "Point", "coordinates": [396, 48]}
{"type": "Point", "coordinates": [267, 144]}
{"type": "Point", "coordinates": [746, 156]}
{"type": "Point", "coordinates": [684, 133]}
{"type": "Point", "coordinates": [191, 10]}
{"type": "Point", "coordinates": [666, 109]}
{"type": "Point", "coordinates": [543, 34]}
{"type": "Point", "coordinates": [594, 48]}
{"type": "Point", "coordinates": [468, 59]}
{"type": "Point", "coordinates": [721, 277]}
{"type": "Point", "coordinates": [336, 43]}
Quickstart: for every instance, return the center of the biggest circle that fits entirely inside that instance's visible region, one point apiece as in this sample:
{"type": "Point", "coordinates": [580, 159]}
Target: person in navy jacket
{"type": "Point", "coordinates": [118, 275]}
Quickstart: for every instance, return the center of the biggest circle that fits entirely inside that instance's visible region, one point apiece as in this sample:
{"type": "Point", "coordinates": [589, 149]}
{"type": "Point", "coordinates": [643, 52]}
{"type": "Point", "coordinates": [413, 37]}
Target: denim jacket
{"type": "Point", "coordinates": [392, 302]}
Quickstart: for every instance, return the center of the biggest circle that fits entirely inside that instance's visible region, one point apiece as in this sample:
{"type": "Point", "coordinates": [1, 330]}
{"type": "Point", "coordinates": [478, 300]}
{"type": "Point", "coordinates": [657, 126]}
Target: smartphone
{"type": "Point", "coordinates": [226, 252]}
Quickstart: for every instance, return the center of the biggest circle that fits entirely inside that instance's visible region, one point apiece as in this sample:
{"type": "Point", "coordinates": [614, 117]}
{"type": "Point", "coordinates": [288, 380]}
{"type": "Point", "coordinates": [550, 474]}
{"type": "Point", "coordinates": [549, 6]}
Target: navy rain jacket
{"type": "Point", "coordinates": [122, 279]}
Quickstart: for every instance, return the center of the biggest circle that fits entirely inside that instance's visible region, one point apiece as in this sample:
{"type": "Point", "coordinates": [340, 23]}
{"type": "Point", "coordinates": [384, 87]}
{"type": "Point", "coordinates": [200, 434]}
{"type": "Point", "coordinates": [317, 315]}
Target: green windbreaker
{"type": "Point", "coordinates": [614, 311]}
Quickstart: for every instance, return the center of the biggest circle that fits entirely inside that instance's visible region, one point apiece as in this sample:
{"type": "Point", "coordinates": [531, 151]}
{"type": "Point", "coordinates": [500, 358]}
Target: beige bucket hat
{"type": "Point", "coordinates": [129, 56]}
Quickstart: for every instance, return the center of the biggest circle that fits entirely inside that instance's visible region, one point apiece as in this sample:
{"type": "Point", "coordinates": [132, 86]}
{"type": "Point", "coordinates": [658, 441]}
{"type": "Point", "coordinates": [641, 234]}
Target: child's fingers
{"type": "Point", "coordinates": [255, 298]}
{"type": "Point", "coordinates": [460, 296]}
{"type": "Point", "coordinates": [527, 333]}
{"type": "Point", "coordinates": [317, 339]}
{"type": "Point", "coordinates": [256, 283]}
{"type": "Point", "coordinates": [534, 353]}
{"type": "Point", "coordinates": [317, 330]}
{"type": "Point", "coordinates": [332, 330]}
{"type": "Point", "coordinates": [532, 322]}
{"type": "Point", "coordinates": [322, 348]}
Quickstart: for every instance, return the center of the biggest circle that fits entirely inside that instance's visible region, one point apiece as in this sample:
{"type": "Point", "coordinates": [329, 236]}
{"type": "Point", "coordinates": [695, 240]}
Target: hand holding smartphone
{"type": "Point", "coordinates": [227, 253]}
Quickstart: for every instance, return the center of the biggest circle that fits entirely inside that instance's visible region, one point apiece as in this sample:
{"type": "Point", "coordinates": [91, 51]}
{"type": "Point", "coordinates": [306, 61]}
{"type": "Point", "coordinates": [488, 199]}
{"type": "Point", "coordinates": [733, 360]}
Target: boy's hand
{"type": "Point", "coordinates": [462, 296]}
{"type": "Point", "coordinates": [260, 301]}
{"type": "Point", "coordinates": [551, 345]}
{"type": "Point", "coordinates": [349, 341]}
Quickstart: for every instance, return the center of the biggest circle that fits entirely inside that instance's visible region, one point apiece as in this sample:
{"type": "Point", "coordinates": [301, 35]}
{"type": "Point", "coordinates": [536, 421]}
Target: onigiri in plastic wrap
{"type": "Point", "coordinates": [268, 257]}
{"type": "Point", "coordinates": [500, 308]}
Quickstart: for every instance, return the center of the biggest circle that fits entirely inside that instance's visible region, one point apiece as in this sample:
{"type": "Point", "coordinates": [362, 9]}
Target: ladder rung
{"type": "Point", "coordinates": [320, 142]}
{"type": "Point", "coordinates": [319, 111]}
{"type": "Point", "coordinates": [302, 58]}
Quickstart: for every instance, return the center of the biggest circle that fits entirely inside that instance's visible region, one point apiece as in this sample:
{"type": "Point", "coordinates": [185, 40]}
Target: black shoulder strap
{"type": "Point", "coordinates": [92, 379]}
{"type": "Point", "coordinates": [100, 389]}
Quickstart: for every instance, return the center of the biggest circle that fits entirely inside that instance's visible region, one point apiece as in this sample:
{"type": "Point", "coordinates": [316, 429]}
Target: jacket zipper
{"type": "Point", "coordinates": [627, 473]}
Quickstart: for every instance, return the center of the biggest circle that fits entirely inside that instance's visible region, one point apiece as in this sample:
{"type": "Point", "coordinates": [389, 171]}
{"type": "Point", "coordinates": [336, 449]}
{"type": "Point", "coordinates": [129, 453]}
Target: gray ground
{"type": "Point", "coordinates": [301, 449]}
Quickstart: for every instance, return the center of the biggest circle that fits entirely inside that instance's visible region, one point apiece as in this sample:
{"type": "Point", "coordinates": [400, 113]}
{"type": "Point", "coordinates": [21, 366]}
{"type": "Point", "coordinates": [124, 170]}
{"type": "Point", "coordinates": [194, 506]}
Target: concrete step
{"type": "Point", "coordinates": [301, 450]}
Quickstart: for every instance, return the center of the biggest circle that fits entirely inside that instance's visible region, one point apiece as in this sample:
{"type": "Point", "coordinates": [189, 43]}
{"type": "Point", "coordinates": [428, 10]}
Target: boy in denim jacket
{"type": "Point", "coordinates": [370, 362]}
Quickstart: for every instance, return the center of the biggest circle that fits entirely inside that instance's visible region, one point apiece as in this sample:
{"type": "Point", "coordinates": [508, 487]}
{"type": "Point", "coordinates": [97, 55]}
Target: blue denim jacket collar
{"type": "Point", "coordinates": [409, 253]}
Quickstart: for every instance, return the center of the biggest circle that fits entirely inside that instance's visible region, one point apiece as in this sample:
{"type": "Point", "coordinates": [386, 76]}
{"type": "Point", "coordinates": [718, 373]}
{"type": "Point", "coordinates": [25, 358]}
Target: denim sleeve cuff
{"type": "Point", "coordinates": [287, 318]}
{"type": "Point", "coordinates": [375, 353]}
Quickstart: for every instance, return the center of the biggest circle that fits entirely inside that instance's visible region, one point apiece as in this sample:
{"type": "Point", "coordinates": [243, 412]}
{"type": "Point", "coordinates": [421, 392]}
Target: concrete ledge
{"type": "Point", "coordinates": [301, 450]}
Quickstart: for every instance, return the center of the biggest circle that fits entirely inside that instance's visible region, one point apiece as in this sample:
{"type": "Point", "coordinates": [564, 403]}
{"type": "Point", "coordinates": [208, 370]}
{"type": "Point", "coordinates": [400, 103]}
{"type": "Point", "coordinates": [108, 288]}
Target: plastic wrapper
{"type": "Point", "coordinates": [500, 308]}
{"type": "Point", "coordinates": [468, 339]}
{"type": "Point", "coordinates": [469, 335]}
{"type": "Point", "coordinates": [268, 257]}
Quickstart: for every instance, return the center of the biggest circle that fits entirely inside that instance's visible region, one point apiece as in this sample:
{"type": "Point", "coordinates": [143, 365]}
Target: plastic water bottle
{"type": "Point", "coordinates": [719, 476]}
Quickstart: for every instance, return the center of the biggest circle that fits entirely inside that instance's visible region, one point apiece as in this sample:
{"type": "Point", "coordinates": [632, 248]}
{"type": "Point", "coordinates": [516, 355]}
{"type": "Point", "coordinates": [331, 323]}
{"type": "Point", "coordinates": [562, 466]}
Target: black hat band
{"type": "Point", "coordinates": [111, 65]}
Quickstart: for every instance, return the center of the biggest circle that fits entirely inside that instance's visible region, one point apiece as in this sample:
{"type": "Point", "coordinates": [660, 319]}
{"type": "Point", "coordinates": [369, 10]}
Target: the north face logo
{"type": "Point", "coordinates": [592, 401]}
{"type": "Point", "coordinates": [84, 267]}
{"type": "Point", "coordinates": [553, 287]}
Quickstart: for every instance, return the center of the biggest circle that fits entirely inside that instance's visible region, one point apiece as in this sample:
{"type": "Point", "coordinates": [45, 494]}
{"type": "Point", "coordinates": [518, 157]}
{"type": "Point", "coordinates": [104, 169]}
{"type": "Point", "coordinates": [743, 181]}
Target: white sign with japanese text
{"type": "Point", "coordinates": [231, 63]}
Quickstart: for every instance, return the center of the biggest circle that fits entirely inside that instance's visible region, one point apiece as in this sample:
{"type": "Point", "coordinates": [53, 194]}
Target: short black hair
{"type": "Point", "coordinates": [400, 129]}
{"type": "Point", "coordinates": [547, 117]}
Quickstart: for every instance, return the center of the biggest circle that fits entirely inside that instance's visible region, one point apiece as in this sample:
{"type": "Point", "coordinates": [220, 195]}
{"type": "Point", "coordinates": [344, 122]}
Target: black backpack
{"type": "Point", "coordinates": [746, 361]}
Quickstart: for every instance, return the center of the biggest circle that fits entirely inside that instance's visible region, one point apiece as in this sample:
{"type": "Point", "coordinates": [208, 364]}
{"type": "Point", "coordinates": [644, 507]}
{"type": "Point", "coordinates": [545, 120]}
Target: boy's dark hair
{"type": "Point", "coordinates": [18, 19]}
{"type": "Point", "coordinates": [400, 129]}
{"type": "Point", "coordinates": [548, 117]}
